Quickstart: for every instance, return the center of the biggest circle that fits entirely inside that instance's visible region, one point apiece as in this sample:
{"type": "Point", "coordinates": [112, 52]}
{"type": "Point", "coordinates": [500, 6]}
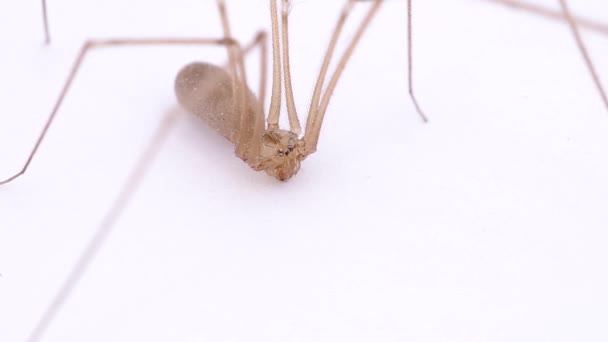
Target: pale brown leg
{"type": "Point", "coordinates": [255, 143]}
{"type": "Point", "coordinates": [294, 122]}
{"type": "Point", "coordinates": [316, 97]}
{"type": "Point", "coordinates": [410, 61]}
{"type": "Point", "coordinates": [77, 63]}
{"type": "Point", "coordinates": [221, 5]}
{"type": "Point", "coordinates": [233, 51]}
{"type": "Point", "coordinates": [259, 41]}
{"type": "Point", "coordinates": [243, 140]}
{"type": "Point", "coordinates": [583, 50]}
{"type": "Point", "coordinates": [315, 118]}
{"type": "Point", "coordinates": [275, 98]}
{"type": "Point", "coordinates": [553, 14]}
{"type": "Point", "coordinates": [45, 22]}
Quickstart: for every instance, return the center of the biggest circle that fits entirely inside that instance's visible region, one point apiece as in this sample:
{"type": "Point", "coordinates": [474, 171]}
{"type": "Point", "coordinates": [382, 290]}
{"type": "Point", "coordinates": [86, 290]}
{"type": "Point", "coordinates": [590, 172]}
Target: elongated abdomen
{"type": "Point", "coordinates": [206, 91]}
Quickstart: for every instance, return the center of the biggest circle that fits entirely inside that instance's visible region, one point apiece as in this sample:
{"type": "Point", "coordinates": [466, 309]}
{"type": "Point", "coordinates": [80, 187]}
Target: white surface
{"type": "Point", "coordinates": [487, 224]}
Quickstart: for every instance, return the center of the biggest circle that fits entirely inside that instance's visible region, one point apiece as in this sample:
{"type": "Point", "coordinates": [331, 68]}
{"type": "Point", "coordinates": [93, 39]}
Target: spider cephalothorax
{"type": "Point", "coordinates": [280, 154]}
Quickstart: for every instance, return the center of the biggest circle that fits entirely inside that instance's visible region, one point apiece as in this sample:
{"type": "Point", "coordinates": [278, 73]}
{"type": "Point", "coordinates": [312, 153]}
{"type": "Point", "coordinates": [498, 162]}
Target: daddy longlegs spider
{"type": "Point", "coordinates": [278, 152]}
{"type": "Point", "coordinates": [224, 101]}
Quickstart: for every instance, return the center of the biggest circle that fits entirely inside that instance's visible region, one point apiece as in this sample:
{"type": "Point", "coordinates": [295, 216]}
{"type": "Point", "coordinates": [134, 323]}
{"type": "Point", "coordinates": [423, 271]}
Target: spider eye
{"type": "Point", "coordinates": [281, 153]}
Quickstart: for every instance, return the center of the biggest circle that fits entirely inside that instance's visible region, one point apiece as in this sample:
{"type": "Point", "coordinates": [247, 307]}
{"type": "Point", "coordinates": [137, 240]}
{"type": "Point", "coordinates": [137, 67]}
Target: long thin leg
{"type": "Point", "coordinates": [583, 50]}
{"type": "Point", "coordinates": [294, 122]}
{"type": "Point", "coordinates": [254, 141]}
{"type": "Point", "coordinates": [311, 136]}
{"type": "Point", "coordinates": [242, 95]}
{"type": "Point", "coordinates": [103, 231]}
{"type": "Point", "coordinates": [45, 22]}
{"type": "Point", "coordinates": [275, 98]}
{"type": "Point", "coordinates": [221, 5]}
{"type": "Point", "coordinates": [553, 14]}
{"type": "Point", "coordinates": [243, 140]}
{"type": "Point", "coordinates": [77, 63]}
{"type": "Point", "coordinates": [316, 96]}
{"type": "Point", "coordinates": [259, 41]}
{"type": "Point", "coordinates": [255, 144]}
{"type": "Point", "coordinates": [410, 61]}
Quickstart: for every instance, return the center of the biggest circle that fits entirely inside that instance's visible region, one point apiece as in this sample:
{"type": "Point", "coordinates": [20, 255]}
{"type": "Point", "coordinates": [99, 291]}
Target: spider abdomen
{"type": "Point", "coordinates": [206, 90]}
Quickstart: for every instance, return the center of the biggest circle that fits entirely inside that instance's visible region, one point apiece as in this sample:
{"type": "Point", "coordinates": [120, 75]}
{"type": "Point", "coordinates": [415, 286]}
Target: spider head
{"type": "Point", "coordinates": [281, 155]}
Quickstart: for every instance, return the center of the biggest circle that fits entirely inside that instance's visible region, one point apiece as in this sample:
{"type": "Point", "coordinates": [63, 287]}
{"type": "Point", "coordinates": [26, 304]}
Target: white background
{"type": "Point", "coordinates": [487, 224]}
